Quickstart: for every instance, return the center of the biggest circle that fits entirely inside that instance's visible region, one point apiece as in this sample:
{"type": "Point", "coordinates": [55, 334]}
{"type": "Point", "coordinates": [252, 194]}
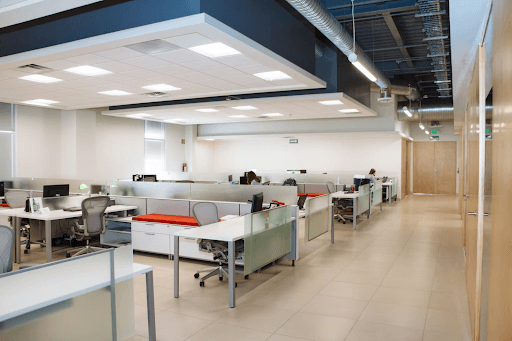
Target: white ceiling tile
{"type": "Point", "coordinates": [145, 62]}
{"type": "Point", "coordinates": [92, 81]}
{"type": "Point", "coordinates": [116, 67]}
{"type": "Point", "coordinates": [196, 77]}
{"type": "Point", "coordinates": [171, 69]}
{"type": "Point", "coordinates": [122, 78]}
{"type": "Point", "coordinates": [203, 65]}
{"type": "Point", "coordinates": [120, 53]}
{"type": "Point", "coordinates": [202, 89]}
{"type": "Point", "coordinates": [180, 56]}
{"type": "Point", "coordinates": [59, 64]}
{"type": "Point", "coordinates": [88, 59]}
{"type": "Point", "coordinates": [189, 40]}
{"type": "Point", "coordinates": [284, 82]}
{"type": "Point", "coordinates": [142, 73]}
{"type": "Point", "coordinates": [65, 76]}
{"type": "Point", "coordinates": [236, 60]}
{"type": "Point", "coordinates": [225, 74]}
{"type": "Point", "coordinates": [251, 81]}
{"type": "Point", "coordinates": [13, 83]}
{"type": "Point", "coordinates": [9, 73]}
{"type": "Point", "coordinates": [252, 69]}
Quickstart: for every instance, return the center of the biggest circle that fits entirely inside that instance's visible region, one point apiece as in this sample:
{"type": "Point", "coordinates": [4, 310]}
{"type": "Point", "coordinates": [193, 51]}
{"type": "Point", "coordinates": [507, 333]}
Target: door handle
{"type": "Point", "coordinates": [466, 196]}
{"type": "Point", "coordinates": [476, 213]}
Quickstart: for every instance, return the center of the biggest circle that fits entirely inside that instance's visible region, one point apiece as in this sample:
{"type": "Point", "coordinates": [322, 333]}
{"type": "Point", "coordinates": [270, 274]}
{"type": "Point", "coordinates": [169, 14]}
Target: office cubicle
{"type": "Point", "coordinates": [377, 193]}
{"type": "Point", "coordinates": [318, 216]}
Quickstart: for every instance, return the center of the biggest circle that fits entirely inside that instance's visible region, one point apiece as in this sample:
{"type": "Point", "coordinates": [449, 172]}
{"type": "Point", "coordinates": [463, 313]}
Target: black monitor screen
{"type": "Point", "coordinates": [149, 178]}
{"type": "Point", "coordinates": [358, 182]}
{"type": "Point", "coordinates": [55, 191]}
{"type": "Point", "coordinates": [257, 202]}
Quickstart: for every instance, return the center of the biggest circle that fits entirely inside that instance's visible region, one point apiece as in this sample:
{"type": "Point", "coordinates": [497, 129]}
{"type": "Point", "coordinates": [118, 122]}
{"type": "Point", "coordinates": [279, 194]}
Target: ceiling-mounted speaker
{"type": "Point", "coordinates": [385, 98]}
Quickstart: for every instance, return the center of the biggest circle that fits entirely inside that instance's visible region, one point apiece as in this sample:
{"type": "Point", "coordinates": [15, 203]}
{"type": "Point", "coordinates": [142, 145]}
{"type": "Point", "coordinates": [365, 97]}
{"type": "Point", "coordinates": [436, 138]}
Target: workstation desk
{"type": "Point", "coordinates": [19, 213]}
{"type": "Point", "coordinates": [361, 201]}
{"type": "Point", "coordinates": [390, 191]}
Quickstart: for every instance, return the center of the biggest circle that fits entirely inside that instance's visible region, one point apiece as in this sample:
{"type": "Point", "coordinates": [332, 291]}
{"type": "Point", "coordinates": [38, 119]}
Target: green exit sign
{"type": "Point", "coordinates": [434, 132]}
{"type": "Point", "coordinates": [487, 130]}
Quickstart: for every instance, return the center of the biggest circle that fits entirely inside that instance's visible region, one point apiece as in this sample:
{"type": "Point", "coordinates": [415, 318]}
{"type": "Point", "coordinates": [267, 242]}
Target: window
{"type": "Point", "coordinates": [7, 140]}
{"type": "Point", "coordinates": [154, 147]}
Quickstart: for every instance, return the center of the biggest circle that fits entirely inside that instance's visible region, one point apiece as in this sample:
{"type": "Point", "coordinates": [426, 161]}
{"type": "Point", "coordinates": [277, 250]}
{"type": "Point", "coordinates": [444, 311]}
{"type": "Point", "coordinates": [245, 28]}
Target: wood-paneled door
{"type": "Point", "coordinates": [435, 167]}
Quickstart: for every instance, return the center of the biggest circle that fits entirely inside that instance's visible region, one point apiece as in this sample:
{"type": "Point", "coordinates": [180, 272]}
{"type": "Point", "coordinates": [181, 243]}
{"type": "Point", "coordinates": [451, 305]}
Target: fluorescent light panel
{"type": "Point", "coordinates": [41, 102]}
{"type": "Point", "coordinates": [422, 126]}
{"type": "Point", "coordinates": [161, 87]}
{"type": "Point", "coordinates": [245, 107]}
{"type": "Point", "coordinates": [331, 102]}
{"type": "Point", "coordinates": [407, 112]}
{"type": "Point", "coordinates": [87, 70]}
{"type": "Point", "coordinates": [238, 116]}
{"type": "Point", "coordinates": [426, 132]}
{"type": "Point", "coordinates": [115, 93]}
{"type": "Point", "coordinates": [214, 50]}
{"type": "Point", "coordinates": [207, 110]}
{"type": "Point", "coordinates": [40, 79]}
{"type": "Point", "coordinates": [365, 71]}
{"type": "Point", "coordinates": [272, 114]}
{"type": "Point", "coordinates": [272, 75]}
{"type": "Point", "coordinates": [347, 111]}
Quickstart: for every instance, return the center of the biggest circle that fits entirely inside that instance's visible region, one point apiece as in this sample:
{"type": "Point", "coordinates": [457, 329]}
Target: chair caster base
{"type": "Point", "coordinates": [196, 275]}
{"type": "Point", "coordinates": [68, 255]}
{"type": "Point", "coordinates": [246, 277]}
{"type": "Point", "coordinates": [221, 278]}
{"type": "Point", "coordinates": [26, 252]}
{"type": "Point", "coordinates": [201, 284]}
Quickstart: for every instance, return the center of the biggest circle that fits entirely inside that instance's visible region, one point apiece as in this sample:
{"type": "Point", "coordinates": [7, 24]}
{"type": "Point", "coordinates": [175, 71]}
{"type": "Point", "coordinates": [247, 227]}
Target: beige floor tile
{"type": "Point", "coordinates": [363, 277]}
{"type": "Point", "coordinates": [172, 326]}
{"type": "Point", "coordinates": [316, 327]}
{"type": "Point", "coordinates": [371, 331]}
{"type": "Point", "coordinates": [164, 298]}
{"type": "Point", "coordinates": [437, 336]}
{"type": "Point", "coordinates": [401, 296]}
{"type": "Point", "coordinates": [136, 338]}
{"type": "Point", "coordinates": [444, 301]}
{"type": "Point", "coordinates": [369, 266]}
{"type": "Point", "coordinates": [376, 257]}
{"type": "Point", "coordinates": [208, 309]}
{"type": "Point", "coordinates": [226, 332]}
{"type": "Point", "coordinates": [276, 337]}
{"type": "Point", "coordinates": [282, 299]}
{"type": "Point", "coordinates": [394, 314]}
{"type": "Point", "coordinates": [331, 261]}
{"type": "Point", "coordinates": [305, 286]}
{"type": "Point", "coordinates": [335, 306]}
{"type": "Point", "coordinates": [443, 321]}
{"type": "Point", "coordinates": [349, 290]}
{"type": "Point", "coordinates": [413, 281]}
{"type": "Point", "coordinates": [257, 317]}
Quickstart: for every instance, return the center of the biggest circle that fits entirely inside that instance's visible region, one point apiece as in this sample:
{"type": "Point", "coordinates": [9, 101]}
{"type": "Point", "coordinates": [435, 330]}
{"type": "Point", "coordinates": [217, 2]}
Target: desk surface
{"type": "Point", "coordinates": [227, 231]}
{"type": "Point", "coordinates": [387, 184]}
{"type": "Point", "coordinates": [342, 194]}
{"type": "Point", "coordinates": [58, 214]}
{"type": "Point", "coordinates": [16, 302]}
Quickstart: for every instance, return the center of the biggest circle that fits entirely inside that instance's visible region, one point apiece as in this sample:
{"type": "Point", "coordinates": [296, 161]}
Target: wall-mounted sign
{"type": "Point", "coordinates": [434, 132]}
{"type": "Point", "coordinates": [294, 141]}
{"type": "Point", "coordinates": [434, 138]}
{"type": "Point", "coordinates": [487, 130]}
{"type": "Point", "coordinates": [488, 137]}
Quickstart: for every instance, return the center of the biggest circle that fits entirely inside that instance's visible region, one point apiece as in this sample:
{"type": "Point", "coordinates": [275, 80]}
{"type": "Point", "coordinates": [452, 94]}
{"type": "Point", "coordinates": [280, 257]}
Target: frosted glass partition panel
{"type": "Point", "coordinates": [35, 184]}
{"type": "Point", "coordinates": [315, 188]}
{"type": "Point", "coordinates": [377, 193]}
{"type": "Point", "coordinates": [226, 192]}
{"type": "Point", "coordinates": [267, 237]}
{"type": "Point", "coordinates": [281, 177]}
{"type": "Point", "coordinates": [320, 178]}
{"type": "Point", "coordinates": [363, 204]}
{"type": "Point", "coordinates": [57, 300]}
{"type": "Point", "coordinates": [59, 203]}
{"type": "Point", "coordinates": [125, 300]}
{"type": "Point", "coordinates": [318, 216]}
{"type": "Point", "coordinates": [74, 185]}
{"type": "Point", "coordinates": [168, 206]}
{"type": "Point", "coordinates": [150, 189]}
{"type": "Point", "coordinates": [393, 187]}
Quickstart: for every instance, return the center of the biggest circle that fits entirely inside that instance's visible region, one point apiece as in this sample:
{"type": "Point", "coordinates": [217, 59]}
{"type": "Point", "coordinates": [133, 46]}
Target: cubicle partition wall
{"type": "Point", "coordinates": [377, 193]}
{"type": "Point", "coordinates": [363, 204]}
{"type": "Point", "coordinates": [151, 189]}
{"type": "Point", "coordinates": [318, 216]}
{"type": "Point", "coordinates": [394, 187]}
{"type": "Point", "coordinates": [80, 290]}
{"type": "Point", "coordinates": [267, 237]}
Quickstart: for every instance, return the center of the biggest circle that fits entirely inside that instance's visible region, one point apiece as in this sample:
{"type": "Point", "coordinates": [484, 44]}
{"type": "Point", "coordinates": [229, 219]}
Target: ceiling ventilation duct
{"type": "Point", "coordinates": [432, 112]}
{"type": "Point", "coordinates": [399, 90]}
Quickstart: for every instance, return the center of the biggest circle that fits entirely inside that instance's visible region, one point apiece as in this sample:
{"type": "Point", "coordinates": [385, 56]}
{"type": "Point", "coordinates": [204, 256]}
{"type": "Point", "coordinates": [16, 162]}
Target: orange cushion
{"type": "Point", "coordinates": [167, 219]}
{"type": "Point", "coordinates": [312, 195]}
{"type": "Point", "coordinates": [278, 202]}
{"type": "Point", "coordinates": [4, 205]}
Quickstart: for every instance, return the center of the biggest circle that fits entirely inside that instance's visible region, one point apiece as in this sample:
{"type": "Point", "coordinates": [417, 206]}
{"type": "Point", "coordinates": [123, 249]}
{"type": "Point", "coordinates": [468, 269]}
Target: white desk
{"type": "Point", "coordinates": [227, 231]}
{"type": "Point", "coordinates": [19, 213]}
{"type": "Point", "coordinates": [16, 302]}
{"type": "Point", "coordinates": [389, 188]}
{"type": "Point", "coordinates": [356, 197]}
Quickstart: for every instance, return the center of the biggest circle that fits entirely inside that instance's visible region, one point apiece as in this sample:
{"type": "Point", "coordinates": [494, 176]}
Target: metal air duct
{"type": "Point", "coordinates": [432, 112]}
{"type": "Point", "coordinates": [320, 17]}
{"type": "Point", "coordinates": [410, 93]}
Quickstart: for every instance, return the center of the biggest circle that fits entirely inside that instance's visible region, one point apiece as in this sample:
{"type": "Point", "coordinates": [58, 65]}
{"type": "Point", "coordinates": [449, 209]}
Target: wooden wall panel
{"type": "Point", "coordinates": [500, 282]}
{"type": "Point", "coordinates": [423, 163]}
{"type": "Point", "coordinates": [445, 181]}
{"type": "Point", "coordinates": [405, 179]}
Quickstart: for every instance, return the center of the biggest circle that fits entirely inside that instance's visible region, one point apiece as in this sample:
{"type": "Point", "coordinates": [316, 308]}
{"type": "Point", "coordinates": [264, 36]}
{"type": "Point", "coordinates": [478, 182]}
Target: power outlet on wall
{"type": "Point", "coordinates": [182, 141]}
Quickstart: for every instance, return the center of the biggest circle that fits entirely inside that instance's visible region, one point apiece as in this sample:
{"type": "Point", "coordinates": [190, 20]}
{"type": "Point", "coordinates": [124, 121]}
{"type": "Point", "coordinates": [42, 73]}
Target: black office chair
{"type": "Point", "coordinates": [206, 213]}
{"type": "Point", "coordinates": [94, 224]}
{"type": "Point", "coordinates": [290, 182]}
{"type": "Point", "coordinates": [300, 203]}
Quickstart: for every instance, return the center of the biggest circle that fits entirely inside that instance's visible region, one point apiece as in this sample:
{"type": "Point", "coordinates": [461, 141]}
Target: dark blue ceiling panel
{"type": "Point", "coordinates": [341, 8]}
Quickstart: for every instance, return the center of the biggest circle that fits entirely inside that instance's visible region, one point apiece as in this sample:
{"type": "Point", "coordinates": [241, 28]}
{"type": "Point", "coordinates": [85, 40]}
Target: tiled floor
{"type": "Point", "coordinates": [400, 276]}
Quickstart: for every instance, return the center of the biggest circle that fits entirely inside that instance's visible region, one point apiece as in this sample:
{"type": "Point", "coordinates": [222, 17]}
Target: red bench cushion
{"type": "Point", "coordinates": [4, 205]}
{"type": "Point", "coordinates": [167, 219]}
{"type": "Point", "coordinates": [312, 195]}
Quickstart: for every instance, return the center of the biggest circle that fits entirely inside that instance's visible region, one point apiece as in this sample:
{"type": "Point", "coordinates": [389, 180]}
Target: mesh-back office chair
{"type": "Point", "coordinates": [340, 204]}
{"type": "Point", "coordinates": [17, 199]}
{"type": "Point", "coordinates": [206, 213]}
{"type": "Point", "coordinates": [6, 246]}
{"type": "Point", "coordinates": [300, 203]}
{"type": "Point", "coordinates": [93, 216]}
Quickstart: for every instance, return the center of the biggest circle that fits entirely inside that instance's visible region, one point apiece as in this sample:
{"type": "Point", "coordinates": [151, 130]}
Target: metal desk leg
{"type": "Point", "coordinates": [17, 239]}
{"type": "Point", "coordinates": [370, 208]}
{"type": "Point", "coordinates": [354, 213]}
{"type": "Point", "coordinates": [332, 224]}
{"type": "Point", "coordinates": [381, 205]}
{"type": "Point", "coordinates": [389, 196]}
{"type": "Point", "coordinates": [176, 266]}
{"type": "Point", "coordinates": [231, 272]}
{"type": "Point", "coordinates": [150, 296]}
{"type": "Point", "coordinates": [48, 242]}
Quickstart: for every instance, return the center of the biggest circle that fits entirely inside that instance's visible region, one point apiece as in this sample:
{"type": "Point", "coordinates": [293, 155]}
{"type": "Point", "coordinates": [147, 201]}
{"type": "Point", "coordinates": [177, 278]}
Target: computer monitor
{"type": "Point", "coordinates": [243, 180]}
{"type": "Point", "coordinates": [149, 178]}
{"type": "Point", "coordinates": [96, 189]}
{"type": "Point", "coordinates": [230, 178]}
{"type": "Point", "coordinates": [358, 182]}
{"type": "Point", "coordinates": [257, 202]}
{"type": "Point", "coordinates": [55, 191]}
{"type": "Point", "coordinates": [2, 189]}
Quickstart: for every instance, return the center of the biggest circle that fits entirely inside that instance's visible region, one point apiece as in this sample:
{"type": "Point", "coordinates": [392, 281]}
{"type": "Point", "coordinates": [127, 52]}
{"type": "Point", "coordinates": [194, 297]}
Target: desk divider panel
{"type": "Point", "coordinates": [267, 237]}
{"type": "Point", "coordinates": [393, 187]}
{"type": "Point", "coordinates": [363, 203]}
{"type": "Point", "coordinates": [301, 188]}
{"type": "Point", "coordinates": [133, 201]}
{"type": "Point", "coordinates": [151, 189]}
{"type": "Point", "coordinates": [318, 216]}
{"type": "Point", "coordinates": [377, 193]}
{"type": "Point", "coordinates": [168, 206]}
{"type": "Point", "coordinates": [315, 188]}
{"type": "Point", "coordinates": [281, 177]}
{"type": "Point", "coordinates": [74, 289]}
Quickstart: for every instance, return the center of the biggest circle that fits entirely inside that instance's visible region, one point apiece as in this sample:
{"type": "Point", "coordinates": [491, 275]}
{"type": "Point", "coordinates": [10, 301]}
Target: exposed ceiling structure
{"type": "Point", "coordinates": [408, 40]}
{"type": "Point", "coordinates": [337, 105]}
{"type": "Point", "coordinates": [191, 57]}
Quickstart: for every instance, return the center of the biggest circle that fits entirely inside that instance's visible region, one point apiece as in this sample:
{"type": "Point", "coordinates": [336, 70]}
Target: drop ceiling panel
{"type": "Point", "coordinates": [197, 75]}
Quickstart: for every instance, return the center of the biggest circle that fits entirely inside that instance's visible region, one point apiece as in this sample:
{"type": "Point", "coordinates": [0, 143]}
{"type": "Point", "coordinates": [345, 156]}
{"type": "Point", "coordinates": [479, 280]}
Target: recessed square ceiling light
{"type": "Point", "coordinates": [141, 115]}
{"type": "Point", "coordinates": [238, 116]}
{"type": "Point", "coordinates": [41, 102]}
{"type": "Point", "coordinates": [272, 114]}
{"type": "Point", "coordinates": [207, 110]}
{"type": "Point", "coordinates": [154, 46]}
{"type": "Point", "coordinates": [214, 50]}
{"type": "Point", "coordinates": [333, 102]}
{"type": "Point", "coordinates": [245, 107]}
{"type": "Point", "coordinates": [161, 87]}
{"type": "Point", "coordinates": [115, 93]}
{"type": "Point", "coordinates": [348, 110]}
{"type": "Point", "coordinates": [272, 75]}
{"type": "Point", "coordinates": [87, 70]}
{"type": "Point", "coordinates": [40, 79]}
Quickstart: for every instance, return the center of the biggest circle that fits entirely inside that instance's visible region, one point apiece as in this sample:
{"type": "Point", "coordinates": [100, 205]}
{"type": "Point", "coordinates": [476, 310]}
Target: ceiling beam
{"type": "Point", "coordinates": [398, 38]}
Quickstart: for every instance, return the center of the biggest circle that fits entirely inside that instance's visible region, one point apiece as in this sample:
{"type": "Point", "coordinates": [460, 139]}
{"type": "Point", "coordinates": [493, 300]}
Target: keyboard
{"type": "Point", "coordinates": [72, 209]}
